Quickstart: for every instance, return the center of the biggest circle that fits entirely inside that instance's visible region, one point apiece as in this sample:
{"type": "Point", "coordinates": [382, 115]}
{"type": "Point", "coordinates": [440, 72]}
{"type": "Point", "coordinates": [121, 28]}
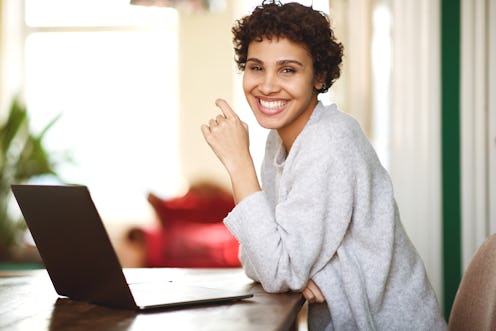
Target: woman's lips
{"type": "Point", "coordinates": [271, 107]}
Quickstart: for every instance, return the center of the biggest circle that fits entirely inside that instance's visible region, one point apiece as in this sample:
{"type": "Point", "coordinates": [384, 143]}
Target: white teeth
{"type": "Point", "coordinates": [272, 104]}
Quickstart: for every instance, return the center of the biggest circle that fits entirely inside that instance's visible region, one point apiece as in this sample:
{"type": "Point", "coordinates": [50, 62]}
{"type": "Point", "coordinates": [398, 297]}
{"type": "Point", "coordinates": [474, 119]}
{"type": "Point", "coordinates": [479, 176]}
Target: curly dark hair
{"type": "Point", "coordinates": [298, 23]}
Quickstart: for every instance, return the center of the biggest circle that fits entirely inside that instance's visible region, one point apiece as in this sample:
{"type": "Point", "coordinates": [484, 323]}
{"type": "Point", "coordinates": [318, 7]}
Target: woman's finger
{"type": "Point", "coordinates": [317, 293]}
{"type": "Point", "coordinates": [205, 130]}
{"type": "Point", "coordinates": [225, 108]}
{"type": "Point", "coordinates": [220, 118]}
{"type": "Point", "coordinates": [212, 123]}
{"type": "Point", "coordinates": [307, 293]}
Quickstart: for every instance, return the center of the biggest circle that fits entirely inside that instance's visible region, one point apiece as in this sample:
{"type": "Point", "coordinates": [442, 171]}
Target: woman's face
{"type": "Point", "coordinates": [279, 85]}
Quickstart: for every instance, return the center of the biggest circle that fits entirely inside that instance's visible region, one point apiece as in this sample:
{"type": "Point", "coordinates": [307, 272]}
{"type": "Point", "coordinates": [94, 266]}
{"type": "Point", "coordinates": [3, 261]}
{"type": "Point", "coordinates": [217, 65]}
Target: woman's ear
{"type": "Point", "coordinates": [319, 81]}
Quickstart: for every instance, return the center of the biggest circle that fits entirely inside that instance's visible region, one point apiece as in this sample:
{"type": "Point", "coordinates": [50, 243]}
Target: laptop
{"type": "Point", "coordinates": [81, 262]}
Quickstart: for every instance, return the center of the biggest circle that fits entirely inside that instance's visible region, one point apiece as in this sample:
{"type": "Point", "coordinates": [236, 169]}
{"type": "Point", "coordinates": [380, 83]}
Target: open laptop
{"type": "Point", "coordinates": [79, 257]}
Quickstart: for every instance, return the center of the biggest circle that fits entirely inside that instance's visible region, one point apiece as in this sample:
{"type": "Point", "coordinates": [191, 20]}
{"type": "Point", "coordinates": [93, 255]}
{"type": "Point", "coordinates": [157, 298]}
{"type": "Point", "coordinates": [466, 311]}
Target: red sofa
{"type": "Point", "coordinates": [191, 232]}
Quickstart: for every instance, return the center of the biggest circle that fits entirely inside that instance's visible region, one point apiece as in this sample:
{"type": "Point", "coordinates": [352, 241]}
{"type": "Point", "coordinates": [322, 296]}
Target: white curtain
{"type": "Point", "coordinates": [391, 84]}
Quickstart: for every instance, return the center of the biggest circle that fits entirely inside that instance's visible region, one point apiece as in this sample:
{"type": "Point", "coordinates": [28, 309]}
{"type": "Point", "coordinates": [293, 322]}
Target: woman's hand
{"type": "Point", "coordinates": [228, 137]}
{"type": "Point", "coordinates": [312, 293]}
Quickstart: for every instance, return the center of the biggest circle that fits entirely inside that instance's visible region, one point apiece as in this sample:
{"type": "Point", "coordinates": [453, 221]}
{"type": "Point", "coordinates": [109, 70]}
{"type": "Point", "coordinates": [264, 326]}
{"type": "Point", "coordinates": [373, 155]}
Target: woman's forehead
{"type": "Point", "coordinates": [278, 48]}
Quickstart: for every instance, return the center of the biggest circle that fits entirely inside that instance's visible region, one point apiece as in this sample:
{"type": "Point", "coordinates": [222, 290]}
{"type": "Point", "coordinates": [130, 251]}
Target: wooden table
{"type": "Point", "coordinates": [28, 301]}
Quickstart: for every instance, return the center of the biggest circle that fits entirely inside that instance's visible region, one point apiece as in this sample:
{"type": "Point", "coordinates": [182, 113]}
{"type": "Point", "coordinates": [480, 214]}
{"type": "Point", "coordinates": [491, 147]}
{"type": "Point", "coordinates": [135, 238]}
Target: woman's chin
{"type": "Point", "coordinates": [268, 123]}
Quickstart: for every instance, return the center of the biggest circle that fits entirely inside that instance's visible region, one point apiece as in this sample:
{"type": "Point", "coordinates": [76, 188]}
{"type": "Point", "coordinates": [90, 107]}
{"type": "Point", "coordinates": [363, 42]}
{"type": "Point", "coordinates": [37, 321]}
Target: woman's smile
{"type": "Point", "coordinates": [271, 107]}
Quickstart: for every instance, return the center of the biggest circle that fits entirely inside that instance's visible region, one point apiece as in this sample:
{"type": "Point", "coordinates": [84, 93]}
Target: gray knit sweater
{"type": "Point", "coordinates": [327, 212]}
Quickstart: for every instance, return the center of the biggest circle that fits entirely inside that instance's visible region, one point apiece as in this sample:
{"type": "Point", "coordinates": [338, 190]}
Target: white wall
{"type": "Point", "coordinates": [205, 60]}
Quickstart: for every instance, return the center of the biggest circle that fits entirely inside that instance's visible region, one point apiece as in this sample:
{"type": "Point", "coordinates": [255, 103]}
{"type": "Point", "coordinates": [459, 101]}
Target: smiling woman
{"type": "Point", "coordinates": [110, 69]}
{"type": "Point", "coordinates": [323, 220]}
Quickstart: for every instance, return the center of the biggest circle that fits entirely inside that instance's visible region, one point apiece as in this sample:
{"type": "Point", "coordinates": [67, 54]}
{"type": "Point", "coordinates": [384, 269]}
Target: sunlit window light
{"type": "Point", "coordinates": [117, 92]}
{"type": "Point", "coordinates": [58, 13]}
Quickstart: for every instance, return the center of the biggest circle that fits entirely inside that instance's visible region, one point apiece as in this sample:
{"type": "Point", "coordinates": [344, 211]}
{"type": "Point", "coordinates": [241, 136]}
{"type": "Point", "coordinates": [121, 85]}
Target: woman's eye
{"type": "Point", "coordinates": [255, 68]}
{"type": "Point", "coordinates": [288, 70]}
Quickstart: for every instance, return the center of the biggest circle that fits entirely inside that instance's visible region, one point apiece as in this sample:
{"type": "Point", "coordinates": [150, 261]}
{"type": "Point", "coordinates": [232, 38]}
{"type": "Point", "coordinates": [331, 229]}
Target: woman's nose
{"type": "Point", "coordinates": [268, 84]}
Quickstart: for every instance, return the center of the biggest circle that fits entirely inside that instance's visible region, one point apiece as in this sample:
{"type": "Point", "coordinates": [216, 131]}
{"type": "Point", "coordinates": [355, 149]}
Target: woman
{"type": "Point", "coordinates": [324, 221]}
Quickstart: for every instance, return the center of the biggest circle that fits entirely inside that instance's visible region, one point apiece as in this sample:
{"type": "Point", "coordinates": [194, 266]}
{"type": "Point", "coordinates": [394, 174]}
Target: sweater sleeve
{"type": "Point", "coordinates": [285, 245]}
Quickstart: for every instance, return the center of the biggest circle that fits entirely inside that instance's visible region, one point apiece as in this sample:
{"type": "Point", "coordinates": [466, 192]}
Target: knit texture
{"type": "Point", "coordinates": [327, 212]}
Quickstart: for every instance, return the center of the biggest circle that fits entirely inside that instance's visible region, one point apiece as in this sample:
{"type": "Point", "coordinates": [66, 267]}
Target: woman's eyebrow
{"type": "Point", "coordinates": [280, 62]}
{"type": "Point", "coordinates": [284, 62]}
{"type": "Point", "coordinates": [254, 59]}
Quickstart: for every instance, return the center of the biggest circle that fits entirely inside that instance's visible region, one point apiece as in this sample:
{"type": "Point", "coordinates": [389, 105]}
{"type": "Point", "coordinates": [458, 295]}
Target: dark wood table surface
{"type": "Point", "coordinates": [28, 301]}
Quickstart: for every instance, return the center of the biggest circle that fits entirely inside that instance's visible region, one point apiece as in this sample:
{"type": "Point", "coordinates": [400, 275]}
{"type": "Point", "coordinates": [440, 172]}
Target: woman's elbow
{"type": "Point", "coordinates": [283, 285]}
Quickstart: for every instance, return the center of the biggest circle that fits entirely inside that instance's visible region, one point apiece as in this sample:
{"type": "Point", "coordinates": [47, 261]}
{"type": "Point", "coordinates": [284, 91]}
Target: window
{"type": "Point", "coordinates": [110, 70]}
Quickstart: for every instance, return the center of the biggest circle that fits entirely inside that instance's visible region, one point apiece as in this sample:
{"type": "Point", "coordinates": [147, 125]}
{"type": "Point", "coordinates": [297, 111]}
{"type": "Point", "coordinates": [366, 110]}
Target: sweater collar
{"type": "Point", "coordinates": [281, 155]}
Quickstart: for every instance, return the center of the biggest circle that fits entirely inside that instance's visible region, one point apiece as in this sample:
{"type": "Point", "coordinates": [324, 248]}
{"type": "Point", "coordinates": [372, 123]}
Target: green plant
{"type": "Point", "coordinates": [22, 156]}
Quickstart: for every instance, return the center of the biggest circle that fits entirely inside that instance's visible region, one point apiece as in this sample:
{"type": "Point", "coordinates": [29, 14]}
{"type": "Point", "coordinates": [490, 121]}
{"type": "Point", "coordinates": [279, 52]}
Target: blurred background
{"type": "Point", "coordinates": [132, 83]}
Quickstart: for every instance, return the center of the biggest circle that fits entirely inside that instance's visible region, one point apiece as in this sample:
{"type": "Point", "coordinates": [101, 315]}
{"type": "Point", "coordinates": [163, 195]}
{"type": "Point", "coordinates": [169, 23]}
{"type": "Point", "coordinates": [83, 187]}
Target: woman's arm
{"type": "Point", "coordinates": [312, 292]}
{"type": "Point", "coordinates": [285, 245]}
{"type": "Point", "coordinates": [289, 242]}
{"type": "Point", "coordinates": [228, 137]}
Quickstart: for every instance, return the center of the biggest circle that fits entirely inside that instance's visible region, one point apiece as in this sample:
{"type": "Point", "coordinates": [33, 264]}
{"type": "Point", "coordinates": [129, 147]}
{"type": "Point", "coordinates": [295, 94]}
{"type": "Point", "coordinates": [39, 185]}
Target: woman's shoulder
{"type": "Point", "coordinates": [330, 123]}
